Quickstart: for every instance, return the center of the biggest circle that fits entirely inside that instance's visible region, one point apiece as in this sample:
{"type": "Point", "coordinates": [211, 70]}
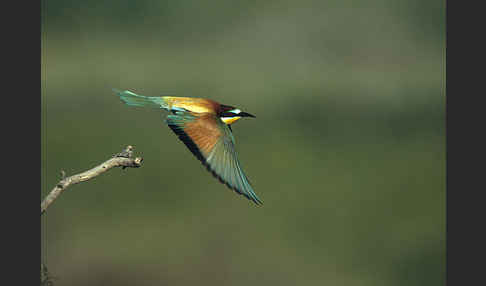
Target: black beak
{"type": "Point", "coordinates": [244, 114]}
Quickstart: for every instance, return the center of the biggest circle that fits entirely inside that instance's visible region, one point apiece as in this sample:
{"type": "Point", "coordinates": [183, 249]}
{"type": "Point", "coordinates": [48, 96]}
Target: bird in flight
{"type": "Point", "coordinates": [204, 126]}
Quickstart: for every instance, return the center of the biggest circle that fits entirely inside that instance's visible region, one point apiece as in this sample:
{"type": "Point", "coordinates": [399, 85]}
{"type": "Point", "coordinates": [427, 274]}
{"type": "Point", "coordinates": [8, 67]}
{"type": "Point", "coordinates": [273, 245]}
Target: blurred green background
{"type": "Point", "coordinates": [347, 150]}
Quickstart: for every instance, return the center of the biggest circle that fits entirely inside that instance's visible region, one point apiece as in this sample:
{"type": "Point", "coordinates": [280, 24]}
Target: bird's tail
{"type": "Point", "coordinates": [132, 99]}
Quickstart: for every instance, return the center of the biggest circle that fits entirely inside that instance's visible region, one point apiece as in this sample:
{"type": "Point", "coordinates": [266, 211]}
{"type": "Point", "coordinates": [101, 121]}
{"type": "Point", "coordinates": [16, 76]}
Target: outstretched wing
{"type": "Point", "coordinates": [212, 142]}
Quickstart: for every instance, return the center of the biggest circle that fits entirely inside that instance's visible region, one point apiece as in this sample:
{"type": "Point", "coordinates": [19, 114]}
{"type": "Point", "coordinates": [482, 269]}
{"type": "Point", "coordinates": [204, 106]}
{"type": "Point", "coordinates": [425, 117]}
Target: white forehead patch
{"type": "Point", "coordinates": [237, 111]}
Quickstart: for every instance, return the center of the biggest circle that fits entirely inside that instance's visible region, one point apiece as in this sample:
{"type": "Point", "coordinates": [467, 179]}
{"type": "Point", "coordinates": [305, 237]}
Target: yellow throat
{"type": "Point", "coordinates": [230, 120]}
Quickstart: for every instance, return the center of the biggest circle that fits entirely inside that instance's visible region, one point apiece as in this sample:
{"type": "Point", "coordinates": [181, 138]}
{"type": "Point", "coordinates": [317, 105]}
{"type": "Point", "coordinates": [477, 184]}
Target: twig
{"type": "Point", "coordinates": [123, 159]}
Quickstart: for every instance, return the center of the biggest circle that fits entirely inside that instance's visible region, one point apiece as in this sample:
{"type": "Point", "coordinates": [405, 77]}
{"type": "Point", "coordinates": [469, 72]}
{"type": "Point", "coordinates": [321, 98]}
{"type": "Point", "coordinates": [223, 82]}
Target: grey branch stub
{"type": "Point", "coordinates": [123, 159]}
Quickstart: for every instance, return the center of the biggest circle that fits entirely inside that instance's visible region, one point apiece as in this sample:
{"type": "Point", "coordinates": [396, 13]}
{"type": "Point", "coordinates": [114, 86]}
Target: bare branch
{"type": "Point", "coordinates": [123, 159]}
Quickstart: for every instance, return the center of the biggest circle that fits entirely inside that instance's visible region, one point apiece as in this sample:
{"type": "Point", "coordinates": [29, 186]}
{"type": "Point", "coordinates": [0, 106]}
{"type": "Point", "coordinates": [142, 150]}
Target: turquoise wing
{"type": "Point", "coordinates": [212, 142]}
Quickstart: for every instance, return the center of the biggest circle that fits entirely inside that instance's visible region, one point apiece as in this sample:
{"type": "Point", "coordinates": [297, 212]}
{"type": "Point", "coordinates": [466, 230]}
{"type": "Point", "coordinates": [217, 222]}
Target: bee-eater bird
{"type": "Point", "coordinates": [204, 126]}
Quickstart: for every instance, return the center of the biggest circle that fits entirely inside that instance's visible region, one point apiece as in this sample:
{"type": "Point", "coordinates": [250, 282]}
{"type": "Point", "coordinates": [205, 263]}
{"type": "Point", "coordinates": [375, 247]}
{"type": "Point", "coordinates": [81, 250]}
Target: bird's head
{"type": "Point", "coordinates": [230, 114]}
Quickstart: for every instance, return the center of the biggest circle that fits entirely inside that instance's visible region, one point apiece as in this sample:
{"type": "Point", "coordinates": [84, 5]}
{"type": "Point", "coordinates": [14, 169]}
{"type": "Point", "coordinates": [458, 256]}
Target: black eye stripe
{"type": "Point", "coordinates": [228, 114]}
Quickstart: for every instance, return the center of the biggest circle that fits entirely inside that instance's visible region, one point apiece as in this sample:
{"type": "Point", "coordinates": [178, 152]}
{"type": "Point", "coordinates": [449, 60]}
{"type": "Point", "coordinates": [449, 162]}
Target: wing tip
{"type": "Point", "coordinates": [258, 201]}
{"type": "Point", "coordinates": [254, 198]}
{"type": "Point", "coordinates": [250, 196]}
